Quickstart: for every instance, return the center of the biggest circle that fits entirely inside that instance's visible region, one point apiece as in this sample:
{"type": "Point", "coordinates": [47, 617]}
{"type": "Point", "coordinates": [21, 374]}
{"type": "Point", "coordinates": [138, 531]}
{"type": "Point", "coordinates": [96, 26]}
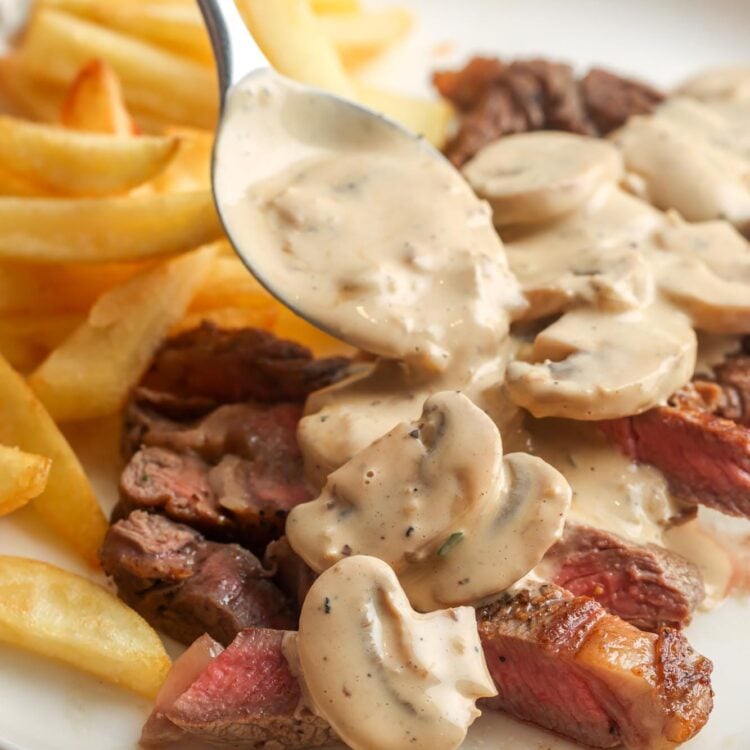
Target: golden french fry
{"type": "Point", "coordinates": [428, 117]}
{"type": "Point", "coordinates": [95, 102]}
{"type": "Point", "coordinates": [359, 37]}
{"type": "Point", "coordinates": [228, 283]}
{"type": "Point", "coordinates": [190, 170]}
{"type": "Point", "coordinates": [175, 26]}
{"type": "Point", "coordinates": [25, 340]}
{"type": "Point", "coordinates": [105, 229]}
{"type": "Point", "coordinates": [292, 327]}
{"type": "Point", "coordinates": [291, 36]}
{"type": "Point", "coordinates": [29, 96]}
{"type": "Point", "coordinates": [67, 505]}
{"type": "Point", "coordinates": [13, 185]}
{"type": "Point", "coordinates": [335, 6]}
{"type": "Point", "coordinates": [56, 289]}
{"type": "Point", "coordinates": [56, 45]}
{"type": "Point", "coordinates": [23, 476]}
{"type": "Point", "coordinates": [81, 163]}
{"type": "Point", "coordinates": [91, 373]}
{"type": "Point", "coordinates": [63, 616]}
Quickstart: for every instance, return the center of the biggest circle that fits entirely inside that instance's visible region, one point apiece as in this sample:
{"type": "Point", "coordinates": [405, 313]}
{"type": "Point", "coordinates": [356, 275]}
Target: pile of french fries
{"type": "Point", "coordinates": [109, 242]}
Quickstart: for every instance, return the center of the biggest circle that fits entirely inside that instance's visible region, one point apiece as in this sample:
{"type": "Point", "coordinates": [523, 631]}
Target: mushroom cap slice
{"type": "Point", "coordinates": [534, 177]}
{"type": "Point", "coordinates": [705, 270]}
{"type": "Point", "coordinates": [594, 365]}
{"type": "Point", "coordinates": [435, 499]}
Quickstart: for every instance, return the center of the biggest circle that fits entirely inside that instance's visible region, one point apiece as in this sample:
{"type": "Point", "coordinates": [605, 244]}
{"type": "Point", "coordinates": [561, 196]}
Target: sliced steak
{"type": "Point", "coordinates": [229, 366]}
{"type": "Point", "coordinates": [564, 663]}
{"type": "Point", "coordinates": [187, 586]}
{"type": "Point", "coordinates": [234, 474]}
{"type": "Point", "coordinates": [246, 697]}
{"type": "Point", "coordinates": [704, 456]}
{"type": "Point", "coordinates": [292, 574]}
{"type": "Point", "coordinates": [644, 584]}
{"type": "Point", "coordinates": [494, 98]}
{"type": "Point", "coordinates": [559, 661]}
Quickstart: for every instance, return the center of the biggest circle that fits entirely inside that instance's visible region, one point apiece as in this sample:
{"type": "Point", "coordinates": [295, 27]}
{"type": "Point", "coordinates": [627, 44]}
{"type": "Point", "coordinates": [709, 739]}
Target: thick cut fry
{"type": "Point", "coordinates": [91, 373]}
{"type": "Point", "coordinates": [81, 163]}
{"type": "Point", "coordinates": [58, 288]}
{"type": "Point", "coordinates": [13, 185]}
{"type": "Point", "coordinates": [228, 283]}
{"type": "Point", "coordinates": [63, 616]}
{"type": "Point", "coordinates": [335, 6]}
{"type": "Point", "coordinates": [360, 37]}
{"type": "Point", "coordinates": [23, 476]}
{"type": "Point", "coordinates": [105, 229]}
{"type": "Point", "coordinates": [290, 326]}
{"type": "Point", "coordinates": [56, 45]}
{"type": "Point", "coordinates": [25, 340]}
{"type": "Point", "coordinates": [95, 102]}
{"type": "Point", "coordinates": [230, 317]}
{"type": "Point", "coordinates": [428, 117]}
{"type": "Point", "coordinates": [67, 505]}
{"type": "Point", "coordinates": [29, 96]}
{"type": "Point", "coordinates": [291, 36]}
{"type": "Point", "coordinates": [175, 26]}
{"type": "Point", "coordinates": [190, 170]}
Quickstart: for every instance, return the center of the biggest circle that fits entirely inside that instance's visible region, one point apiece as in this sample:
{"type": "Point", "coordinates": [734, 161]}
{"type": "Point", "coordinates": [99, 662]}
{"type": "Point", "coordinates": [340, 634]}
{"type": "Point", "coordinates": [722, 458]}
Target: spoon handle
{"type": "Point", "coordinates": [235, 50]}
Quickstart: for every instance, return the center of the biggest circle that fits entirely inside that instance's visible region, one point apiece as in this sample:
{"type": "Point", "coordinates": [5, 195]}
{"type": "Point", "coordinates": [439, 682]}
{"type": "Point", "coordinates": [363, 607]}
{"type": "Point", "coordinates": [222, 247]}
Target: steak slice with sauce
{"type": "Point", "coordinates": [644, 584]}
{"type": "Point", "coordinates": [187, 586]}
{"type": "Point", "coordinates": [562, 662]}
{"type": "Point", "coordinates": [559, 661]}
{"type": "Point", "coordinates": [246, 697]}
{"type": "Point", "coordinates": [700, 440]}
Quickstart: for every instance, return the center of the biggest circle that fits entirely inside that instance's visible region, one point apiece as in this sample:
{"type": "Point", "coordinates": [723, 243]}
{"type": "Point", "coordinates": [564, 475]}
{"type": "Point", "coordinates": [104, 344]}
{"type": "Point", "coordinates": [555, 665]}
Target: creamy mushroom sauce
{"type": "Point", "coordinates": [389, 248]}
{"type": "Point", "coordinates": [436, 499]}
{"type": "Point", "coordinates": [384, 676]}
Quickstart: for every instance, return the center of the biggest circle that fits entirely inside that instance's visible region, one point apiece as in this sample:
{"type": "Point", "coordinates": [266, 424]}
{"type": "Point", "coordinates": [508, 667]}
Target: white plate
{"type": "Point", "coordinates": [44, 706]}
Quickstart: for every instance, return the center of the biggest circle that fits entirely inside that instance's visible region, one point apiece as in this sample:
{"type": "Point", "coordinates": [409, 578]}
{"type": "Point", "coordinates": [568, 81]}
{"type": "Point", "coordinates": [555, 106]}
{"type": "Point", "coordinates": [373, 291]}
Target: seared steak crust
{"type": "Point", "coordinates": [564, 663]}
{"type": "Point", "coordinates": [700, 440]}
{"type": "Point", "coordinates": [186, 586]}
{"type": "Point", "coordinates": [494, 98]}
{"type": "Point", "coordinates": [246, 697]}
{"type": "Point", "coordinates": [229, 366]}
{"type": "Point", "coordinates": [644, 584]}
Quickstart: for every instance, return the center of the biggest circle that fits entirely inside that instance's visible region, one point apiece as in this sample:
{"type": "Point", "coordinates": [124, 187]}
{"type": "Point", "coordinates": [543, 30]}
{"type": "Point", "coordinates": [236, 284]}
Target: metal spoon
{"type": "Point", "coordinates": [272, 138]}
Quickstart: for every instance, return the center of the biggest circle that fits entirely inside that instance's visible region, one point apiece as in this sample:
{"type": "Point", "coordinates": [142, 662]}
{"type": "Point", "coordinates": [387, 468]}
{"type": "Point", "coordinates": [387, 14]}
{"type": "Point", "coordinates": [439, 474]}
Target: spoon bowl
{"type": "Point", "coordinates": [268, 124]}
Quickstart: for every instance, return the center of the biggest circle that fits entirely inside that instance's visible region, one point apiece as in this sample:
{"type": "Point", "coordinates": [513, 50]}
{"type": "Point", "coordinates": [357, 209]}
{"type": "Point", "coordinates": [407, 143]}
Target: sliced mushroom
{"type": "Point", "coordinates": [384, 676]}
{"type": "Point", "coordinates": [719, 83]}
{"type": "Point", "coordinates": [595, 365]}
{"type": "Point", "coordinates": [590, 257]}
{"type": "Point", "coordinates": [685, 171]}
{"type": "Point", "coordinates": [534, 177]}
{"type": "Point", "coordinates": [435, 499]}
{"type": "Point", "coordinates": [705, 269]}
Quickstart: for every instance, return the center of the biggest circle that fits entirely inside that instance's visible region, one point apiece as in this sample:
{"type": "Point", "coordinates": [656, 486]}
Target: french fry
{"type": "Point", "coordinates": [56, 45]}
{"type": "Point", "coordinates": [190, 170]}
{"type": "Point", "coordinates": [428, 117]}
{"type": "Point", "coordinates": [67, 505]}
{"type": "Point", "coordinates": [95, 102]}
{"type": "Point", "coordinates": [31, 97]}
{"type": "Point", "coordinates": [230, 317]}
{"type": "Point", "coordinates": [174, 26]}
{"type": "Point", "coordinates": [91, 373]}
{"type": "Point", "coordinates": [360, 37]}
{"type": "Point", "coordinates": [65, 617]}
{"type": "Point", "coordinates": [291, 37]}
{"type": "Point", "coordinates": [228, 283]}
{"type": "Point", "coordinates": [292, 327]}
{"type": "Point", "coordinates": [49, 290]}
{"type": "Point", "coordinates": [105, 229]}
{"type": "Point", "coordinates": [13, 185]}
{"type": "Point", "coordinates": [335, 6]}
{"type": "Point", "coordinates": [25, 340]}
{"type": "Point", "coordinates": [23, 476]}
{"type": "Point", "coordinates": [81, 163]}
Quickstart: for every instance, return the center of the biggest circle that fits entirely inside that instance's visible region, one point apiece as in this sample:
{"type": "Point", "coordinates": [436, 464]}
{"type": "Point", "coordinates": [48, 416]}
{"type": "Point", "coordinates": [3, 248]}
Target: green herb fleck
{"type": "Point", "coordinates": [450, 543]}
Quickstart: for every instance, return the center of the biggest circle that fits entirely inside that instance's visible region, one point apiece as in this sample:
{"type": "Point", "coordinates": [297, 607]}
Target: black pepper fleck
{"type": "Point", "coordinates": [327, 606]}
